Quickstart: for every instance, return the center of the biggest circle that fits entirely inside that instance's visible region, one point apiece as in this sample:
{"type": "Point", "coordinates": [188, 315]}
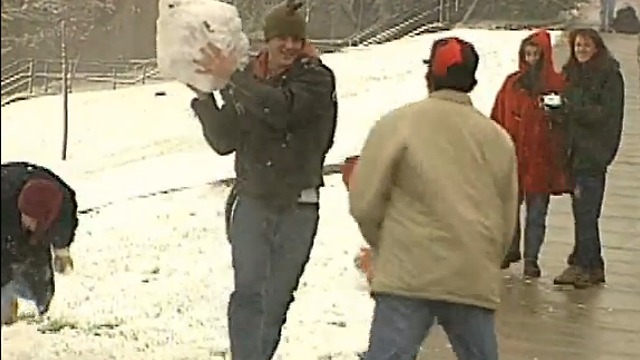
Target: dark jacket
{"type": "Point", "coordinates": [280, 129]}
{"type": "Point", "coordinates": [626, 21]}
{"type": "Point", "coordinates": [14, 176]}
{"type": "Point", "coordinates": [594, 111]}
{"type": "Point", "coordinates": [17, 253]}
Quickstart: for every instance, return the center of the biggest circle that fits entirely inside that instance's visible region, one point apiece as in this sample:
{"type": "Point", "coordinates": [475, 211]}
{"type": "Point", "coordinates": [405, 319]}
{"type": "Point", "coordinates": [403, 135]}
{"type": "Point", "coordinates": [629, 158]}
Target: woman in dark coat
{"type": "Point", "coordinates": [39, 211]}
{"type": "Point", "coordinates": [592, 118]}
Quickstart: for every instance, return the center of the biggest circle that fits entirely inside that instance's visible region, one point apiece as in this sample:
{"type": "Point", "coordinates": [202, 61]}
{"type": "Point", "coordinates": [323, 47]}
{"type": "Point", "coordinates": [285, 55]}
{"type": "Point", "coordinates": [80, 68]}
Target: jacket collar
{"type": "Point", "coordinates": [452, 95]}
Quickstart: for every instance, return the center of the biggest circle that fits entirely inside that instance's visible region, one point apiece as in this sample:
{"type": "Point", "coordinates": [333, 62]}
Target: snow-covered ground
{"type": "Point", "coordinates": [153, 274]}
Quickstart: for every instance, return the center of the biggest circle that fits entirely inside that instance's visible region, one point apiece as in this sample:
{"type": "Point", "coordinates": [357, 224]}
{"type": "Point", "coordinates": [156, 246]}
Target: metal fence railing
{"type": "Point", "coordinates": [44, 76]}
{"type": "Point", "coordinates": [32, 77]}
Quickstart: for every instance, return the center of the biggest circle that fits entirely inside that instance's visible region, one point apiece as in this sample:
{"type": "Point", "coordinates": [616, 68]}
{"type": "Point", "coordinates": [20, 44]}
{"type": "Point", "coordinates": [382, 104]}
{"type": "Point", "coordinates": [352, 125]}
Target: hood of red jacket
{"type": "Point", "coordinates": [542, 39]}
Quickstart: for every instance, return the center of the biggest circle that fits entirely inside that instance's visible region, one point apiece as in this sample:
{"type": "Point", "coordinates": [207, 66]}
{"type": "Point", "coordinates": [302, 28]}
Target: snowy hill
{"type": "Point", "coordinates": [153, 274]}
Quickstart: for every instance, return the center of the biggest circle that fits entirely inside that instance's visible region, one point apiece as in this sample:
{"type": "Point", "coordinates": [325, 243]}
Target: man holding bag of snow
{"type": "Point", "coordinates": [279, 118]}
{"type": "Point", "coordinates": [435, 196]}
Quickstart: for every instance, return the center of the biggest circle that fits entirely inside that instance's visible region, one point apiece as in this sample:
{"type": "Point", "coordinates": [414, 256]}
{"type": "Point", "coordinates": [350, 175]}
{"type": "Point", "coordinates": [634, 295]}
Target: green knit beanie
{"type": "Point", "coordinates": [285, 20]}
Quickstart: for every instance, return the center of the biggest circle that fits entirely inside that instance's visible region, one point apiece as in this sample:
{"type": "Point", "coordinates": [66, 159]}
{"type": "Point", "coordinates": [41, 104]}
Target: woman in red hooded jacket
{"type": "Point", "coordinates": [519, 110]}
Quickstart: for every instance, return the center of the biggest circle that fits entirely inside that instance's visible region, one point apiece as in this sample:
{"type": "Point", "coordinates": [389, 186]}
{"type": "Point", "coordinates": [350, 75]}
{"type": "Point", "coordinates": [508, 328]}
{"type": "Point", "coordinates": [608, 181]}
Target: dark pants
{"type": "Point", "coordinates": [400, 325]}
{"type": "Point", "coordinates": [270, 249]}
{"type": "Point", "coordinates": [587, 206]}
{"type": "Point", "coordinates": [535, 226]}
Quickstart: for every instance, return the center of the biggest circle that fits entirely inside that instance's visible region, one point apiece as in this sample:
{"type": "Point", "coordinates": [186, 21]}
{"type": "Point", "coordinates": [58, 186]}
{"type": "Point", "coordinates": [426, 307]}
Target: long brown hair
{"type": "Point", "coordinates": [602, 52]}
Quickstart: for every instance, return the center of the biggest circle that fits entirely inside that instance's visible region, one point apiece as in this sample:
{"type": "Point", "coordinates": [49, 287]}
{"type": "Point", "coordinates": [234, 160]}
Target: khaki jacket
{"type": "Point", "coordinates": [435, 195]}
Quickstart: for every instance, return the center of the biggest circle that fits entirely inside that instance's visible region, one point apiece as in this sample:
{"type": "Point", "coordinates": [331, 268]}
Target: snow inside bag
{"type": "Point", "coordinates": [185, 26]}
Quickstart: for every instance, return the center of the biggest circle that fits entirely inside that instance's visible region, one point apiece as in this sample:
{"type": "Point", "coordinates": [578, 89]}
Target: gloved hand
{"type": "Point", "coordinates": [62, 261]}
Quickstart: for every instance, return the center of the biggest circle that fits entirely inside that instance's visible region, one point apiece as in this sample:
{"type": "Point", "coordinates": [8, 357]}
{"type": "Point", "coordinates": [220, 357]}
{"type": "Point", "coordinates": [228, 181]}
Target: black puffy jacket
{"type": "Point", "coordinates": [62, 232]}
{"type": "Point", "coordinates": [594, 111]}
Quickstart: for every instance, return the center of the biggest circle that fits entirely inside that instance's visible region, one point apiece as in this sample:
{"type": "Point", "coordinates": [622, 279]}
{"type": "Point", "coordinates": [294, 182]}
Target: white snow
{"type": "Point", "coordinates": [185, 26]}
{"type": "Point", "coordinates": [157, 269]}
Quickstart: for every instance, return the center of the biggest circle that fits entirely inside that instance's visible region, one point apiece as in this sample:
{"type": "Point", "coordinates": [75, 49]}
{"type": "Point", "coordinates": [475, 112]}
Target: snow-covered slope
{"type": "Point", "coordinates": [131, 133]}
{"type": "Point", "coordinates": [153, 274]}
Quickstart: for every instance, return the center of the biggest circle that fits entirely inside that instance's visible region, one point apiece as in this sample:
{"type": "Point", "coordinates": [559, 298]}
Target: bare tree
{"type": "Point", "coordinates": [33, 24]}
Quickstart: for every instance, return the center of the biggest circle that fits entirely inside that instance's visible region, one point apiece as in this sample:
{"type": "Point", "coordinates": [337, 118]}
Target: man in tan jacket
{"type": "Point", "coordinates": [435, 196]}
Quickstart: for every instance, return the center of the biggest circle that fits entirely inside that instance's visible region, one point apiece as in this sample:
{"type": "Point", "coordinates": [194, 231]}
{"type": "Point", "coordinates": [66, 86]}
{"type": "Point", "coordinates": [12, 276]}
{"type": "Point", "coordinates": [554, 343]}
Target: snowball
{"type": "Point", "coordinates": [185, 26]}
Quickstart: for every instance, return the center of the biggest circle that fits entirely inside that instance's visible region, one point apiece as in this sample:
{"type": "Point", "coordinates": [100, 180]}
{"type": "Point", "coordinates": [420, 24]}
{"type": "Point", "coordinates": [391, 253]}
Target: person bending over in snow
{"type": "Point", "coordinates": [279, 118]}
{"type": "Point", "coordinates": [435, 194]}
{"type": "Point", "coordinates": [39, 212]}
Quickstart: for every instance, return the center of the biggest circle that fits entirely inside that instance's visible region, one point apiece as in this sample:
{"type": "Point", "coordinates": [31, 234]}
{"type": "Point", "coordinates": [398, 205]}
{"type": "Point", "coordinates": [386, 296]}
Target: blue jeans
{"type": "Point", "coordinates": [535, 227]}
{"type": "Point", "coordinates": [270, 249]}
{"type": "Point", "coordinates": [9, 295]}
{"type": "Point", "coordinates": [607, 13]}
{"type": "Point", "coordinates": [400, 325]}
{"type": "Point", "coordinates": [29, 278]}
{"type": "Point", "coordinates": [587, 207]}
{"type": "Point", "coordinates": [39, 292]}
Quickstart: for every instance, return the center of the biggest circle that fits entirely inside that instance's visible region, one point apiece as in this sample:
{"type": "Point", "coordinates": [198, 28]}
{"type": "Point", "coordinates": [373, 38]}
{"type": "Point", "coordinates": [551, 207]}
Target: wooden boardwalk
{"type": "Point", "coordinates": [540, 321]}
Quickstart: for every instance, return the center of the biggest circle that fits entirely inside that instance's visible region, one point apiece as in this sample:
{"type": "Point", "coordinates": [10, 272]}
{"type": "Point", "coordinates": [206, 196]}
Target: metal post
{"type": "Point", "coordinates": [144, 73]}
{"type": "Point", "coordinates": [360, 11]}
{"type": "Point", "coordinates": [448, 11]}
{"type": "Point", "coordinates": [307, 8]}
{"type": "Point", "coordinates": [441, 12]}
{"type": "Point", "coordinates": [65, 90]}
{"type": "Point", "coordinates": [32, 76]}
{"type": "Point", "coordinates": [114, 77]}
{"type": "Point", "coordinates": [71, 74]}
{"type": "Point", "coordinates": [46, 77]}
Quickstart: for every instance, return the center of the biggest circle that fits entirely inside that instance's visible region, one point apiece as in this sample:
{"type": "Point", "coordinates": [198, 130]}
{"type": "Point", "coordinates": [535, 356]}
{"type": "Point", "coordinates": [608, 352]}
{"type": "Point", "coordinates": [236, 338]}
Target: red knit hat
{"type": "Point", "coordinates": [41, 199]}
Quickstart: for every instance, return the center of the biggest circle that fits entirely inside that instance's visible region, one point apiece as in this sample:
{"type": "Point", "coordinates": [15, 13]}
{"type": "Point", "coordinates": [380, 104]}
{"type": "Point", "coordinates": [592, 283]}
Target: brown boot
{"type": "Point", "coordinates": [583, 280]}
{"type": "Point", "coordinates": [597, 276]}
{"type": "Point", "coordinates": [574, 275]}
{"type": "Point", "coordinates": [567, 277]}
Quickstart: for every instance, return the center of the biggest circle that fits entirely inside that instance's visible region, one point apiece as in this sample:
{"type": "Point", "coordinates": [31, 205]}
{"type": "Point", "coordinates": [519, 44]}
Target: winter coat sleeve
{"type": "Point", "coordinates": [610, 108]}
{"type": "Point", "coordinates": [372, 179]}
{"type": "Point", "coordinates": [220, 125]}
{"type": "Point", "coordinates": [498, 111]}
{"type": "Point", "coordinates": [307, 84]}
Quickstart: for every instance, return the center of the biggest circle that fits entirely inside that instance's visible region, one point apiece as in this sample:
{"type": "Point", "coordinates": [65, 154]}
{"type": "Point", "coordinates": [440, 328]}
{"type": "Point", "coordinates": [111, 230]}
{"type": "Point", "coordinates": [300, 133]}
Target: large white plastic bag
{"type": "Point", "coordinates": [185, 26]}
